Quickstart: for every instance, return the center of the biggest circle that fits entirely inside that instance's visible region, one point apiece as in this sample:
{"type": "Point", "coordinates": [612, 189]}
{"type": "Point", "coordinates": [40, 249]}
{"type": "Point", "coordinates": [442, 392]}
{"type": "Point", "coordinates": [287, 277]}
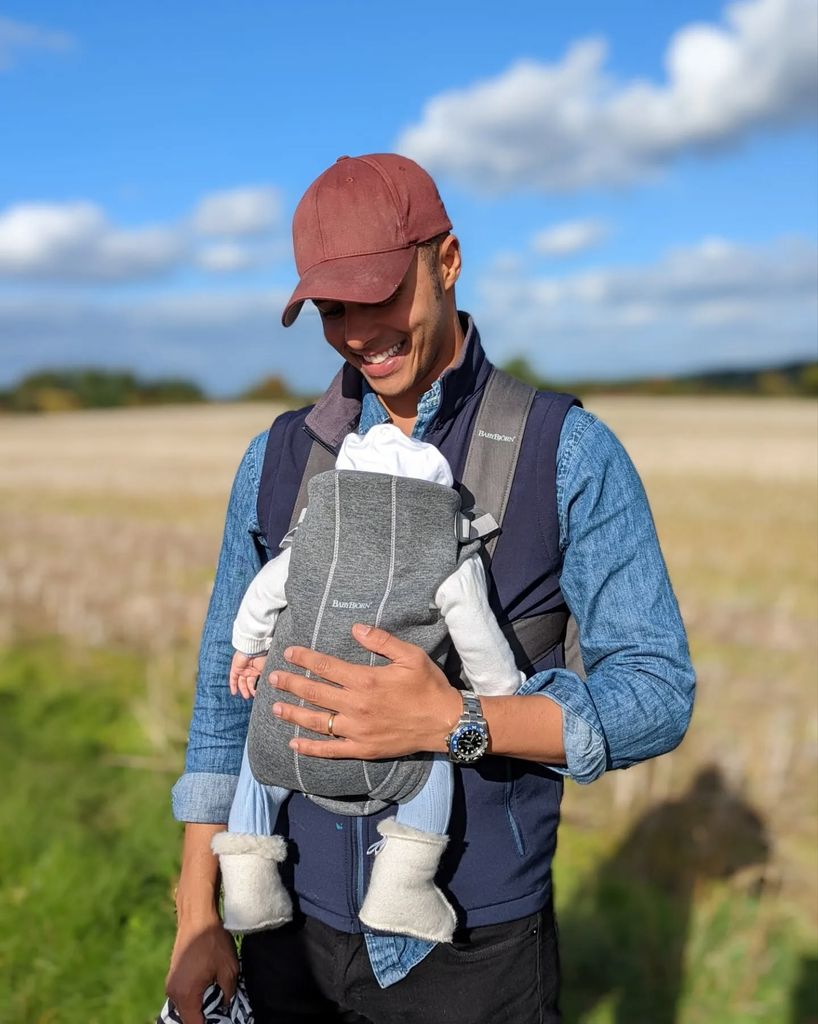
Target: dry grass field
{"type": "Point", "coordinates": [109, 529]}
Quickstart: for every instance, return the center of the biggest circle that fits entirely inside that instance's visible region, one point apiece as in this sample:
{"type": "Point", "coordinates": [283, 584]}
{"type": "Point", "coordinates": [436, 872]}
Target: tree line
{"type": "Point", "coordinates": [60, 390]}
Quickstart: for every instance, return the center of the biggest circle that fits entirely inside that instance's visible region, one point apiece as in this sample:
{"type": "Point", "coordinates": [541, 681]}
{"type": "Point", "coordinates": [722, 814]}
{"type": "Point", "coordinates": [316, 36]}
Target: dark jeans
{"type": "Point", "coordinates": [500, 974]}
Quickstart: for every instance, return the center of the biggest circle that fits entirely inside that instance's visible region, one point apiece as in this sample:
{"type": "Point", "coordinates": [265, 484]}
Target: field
{"type": "Point", "coordinates": [687, 887]}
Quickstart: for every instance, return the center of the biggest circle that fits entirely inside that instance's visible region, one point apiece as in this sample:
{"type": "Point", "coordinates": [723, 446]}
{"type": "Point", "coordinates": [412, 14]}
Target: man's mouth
{"type": "Point", "coordinates": [376, 358]}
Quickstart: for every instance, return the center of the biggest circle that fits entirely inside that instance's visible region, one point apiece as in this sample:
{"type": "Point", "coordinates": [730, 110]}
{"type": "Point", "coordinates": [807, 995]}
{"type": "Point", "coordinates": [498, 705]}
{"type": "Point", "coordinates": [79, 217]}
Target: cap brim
{"type": "Point", "coordinates": [367, 279]}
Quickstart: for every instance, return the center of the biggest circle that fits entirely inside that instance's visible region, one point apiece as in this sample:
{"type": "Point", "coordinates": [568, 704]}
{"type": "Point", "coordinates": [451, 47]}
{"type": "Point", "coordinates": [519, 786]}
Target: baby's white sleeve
{"type": "Point", "coordinates": [260, 606]}
{"type": "Point", "coordinates": [486, 656]}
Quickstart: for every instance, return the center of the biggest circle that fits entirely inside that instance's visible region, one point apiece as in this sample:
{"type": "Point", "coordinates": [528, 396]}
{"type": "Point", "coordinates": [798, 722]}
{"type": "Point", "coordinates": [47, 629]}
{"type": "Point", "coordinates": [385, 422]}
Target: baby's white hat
{"type": "Point", "coordinates": [384, 449]}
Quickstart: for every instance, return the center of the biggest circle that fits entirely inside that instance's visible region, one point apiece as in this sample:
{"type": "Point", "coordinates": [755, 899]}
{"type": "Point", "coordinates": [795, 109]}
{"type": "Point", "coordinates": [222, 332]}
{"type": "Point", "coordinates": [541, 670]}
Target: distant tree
{"type": "Point", "coordinates": [170, 392]}
{"type": "Point", "coordinates": [808, 380]}
{"type": "Point", "coordinates": [774, 382]}
{"type": "Point", "coordinates": [270, 389]}
{"type": "Point", "coordinates": [520, 368]}
{"type": "Point", "coordinates": [89, 388]}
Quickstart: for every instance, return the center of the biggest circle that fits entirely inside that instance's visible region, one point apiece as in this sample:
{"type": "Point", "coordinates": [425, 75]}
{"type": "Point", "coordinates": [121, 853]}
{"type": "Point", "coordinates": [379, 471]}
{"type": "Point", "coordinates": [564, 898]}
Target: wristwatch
{"type": "Point", "coordinates": [469, 739]}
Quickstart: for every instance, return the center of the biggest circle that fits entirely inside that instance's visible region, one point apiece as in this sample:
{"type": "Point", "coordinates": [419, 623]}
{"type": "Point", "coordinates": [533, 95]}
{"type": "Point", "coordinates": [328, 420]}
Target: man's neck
{"type": "Point", "coordinates": [403, 409]}
{"type": "Point", "coordinates": [406, 424]}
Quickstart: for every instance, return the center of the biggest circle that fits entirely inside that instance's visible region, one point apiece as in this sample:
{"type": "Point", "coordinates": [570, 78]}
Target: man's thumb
{"type": "Point", "coordinates": [380, 642]}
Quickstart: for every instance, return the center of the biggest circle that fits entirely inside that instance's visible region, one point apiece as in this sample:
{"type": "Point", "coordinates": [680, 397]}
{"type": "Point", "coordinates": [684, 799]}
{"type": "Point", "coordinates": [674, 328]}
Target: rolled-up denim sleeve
{"type": "Point", "coordinates": [219, 724]}
{"type": "Point", "coordinates": [637, 697]}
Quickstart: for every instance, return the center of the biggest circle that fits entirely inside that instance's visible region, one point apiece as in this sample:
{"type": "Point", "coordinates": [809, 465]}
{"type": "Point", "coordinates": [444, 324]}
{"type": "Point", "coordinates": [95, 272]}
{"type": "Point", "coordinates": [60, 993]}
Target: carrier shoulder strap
{"type": "Point", "coordinates": [320, 459]}
{"type": "Point", "coordinates": [491, 462]}
{"type": "Point", "coordinates": [494, 446]}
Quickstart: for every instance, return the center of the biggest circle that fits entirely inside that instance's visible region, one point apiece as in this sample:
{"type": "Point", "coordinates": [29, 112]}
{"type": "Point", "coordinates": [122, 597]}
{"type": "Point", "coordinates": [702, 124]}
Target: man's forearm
{"type": "Point", "coordinates": [197, 895]}
{"type": "Point", "coordinates": [525, 727]}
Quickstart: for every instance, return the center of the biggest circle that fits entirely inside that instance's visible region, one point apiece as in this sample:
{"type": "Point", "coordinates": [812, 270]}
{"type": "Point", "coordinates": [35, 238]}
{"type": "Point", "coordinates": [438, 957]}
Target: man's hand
{"type": "Point", "coordinates": [245, 670]}
{"type": "Point", "coordinates": [202, 954]}
{"type": "Point", "coordinates": [386, 711]}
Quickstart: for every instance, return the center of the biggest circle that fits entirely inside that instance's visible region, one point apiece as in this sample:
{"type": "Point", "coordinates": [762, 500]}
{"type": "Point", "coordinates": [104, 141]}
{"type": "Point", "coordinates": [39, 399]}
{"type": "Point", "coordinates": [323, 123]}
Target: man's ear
{"type": "Point", "coordinates": [449, 261]}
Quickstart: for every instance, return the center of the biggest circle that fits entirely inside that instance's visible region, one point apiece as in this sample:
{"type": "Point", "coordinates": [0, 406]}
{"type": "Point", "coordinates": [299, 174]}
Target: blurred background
{"type": "Point", "coordinates": [635, 191]}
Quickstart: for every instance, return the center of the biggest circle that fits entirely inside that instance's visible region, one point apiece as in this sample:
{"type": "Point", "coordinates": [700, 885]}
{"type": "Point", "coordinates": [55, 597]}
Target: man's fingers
{"type": "Point", "coordinates": [313, 691]}
{"type": "Point", "coordinates": [190, 1010]}
{"type": "Point", "coordinates": [335, 749]}
{"type": "Point", "coordinates": [307, 718]}
{"type": "Point", "coordinates": [323, 665]}
{"type": "Point", "coordinates": [383, 643]}
{"type": "Point", "coordinates": [226, 979]}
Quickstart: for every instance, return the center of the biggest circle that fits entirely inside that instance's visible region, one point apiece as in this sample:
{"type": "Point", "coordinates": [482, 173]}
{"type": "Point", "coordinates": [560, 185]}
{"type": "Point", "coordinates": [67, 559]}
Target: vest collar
{"type": "Point", "coordinates": [337, 412]}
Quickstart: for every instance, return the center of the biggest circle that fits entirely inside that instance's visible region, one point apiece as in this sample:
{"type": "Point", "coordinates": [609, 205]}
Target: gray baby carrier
{"type": "Point", "coordinates": [372, 548]}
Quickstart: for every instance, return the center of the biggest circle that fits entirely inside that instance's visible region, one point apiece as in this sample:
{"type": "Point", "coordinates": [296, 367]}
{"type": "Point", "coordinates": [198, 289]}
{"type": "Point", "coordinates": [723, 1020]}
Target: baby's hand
{"type": "Point", "coordinates": [244, 673]}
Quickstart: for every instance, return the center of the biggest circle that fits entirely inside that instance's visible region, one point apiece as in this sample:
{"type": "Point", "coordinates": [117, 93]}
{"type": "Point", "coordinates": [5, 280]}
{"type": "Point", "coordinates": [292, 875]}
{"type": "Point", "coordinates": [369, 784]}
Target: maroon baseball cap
{"type": "Point", "coordinates": [356, 228]}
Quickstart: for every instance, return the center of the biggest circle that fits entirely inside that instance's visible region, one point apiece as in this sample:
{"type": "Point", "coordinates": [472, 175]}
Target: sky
{"type": "Point", "coordinates": [635, 186]}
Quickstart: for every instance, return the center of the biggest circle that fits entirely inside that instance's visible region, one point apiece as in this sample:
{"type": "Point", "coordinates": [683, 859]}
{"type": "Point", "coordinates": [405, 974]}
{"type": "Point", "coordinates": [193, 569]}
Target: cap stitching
{"type": "Point", "coordinates": [392, 192]}
{"type": "Point", "coordinates": [318, 221]}
{"type": "Point", "coordinates": [362, 252]}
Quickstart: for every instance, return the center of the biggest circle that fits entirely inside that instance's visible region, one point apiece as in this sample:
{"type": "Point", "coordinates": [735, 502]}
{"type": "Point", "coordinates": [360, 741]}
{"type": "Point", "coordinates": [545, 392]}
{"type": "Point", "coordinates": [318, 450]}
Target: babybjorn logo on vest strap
{"type": "Point", "coordinates": [351, 605]}
{"type": "Point", "coordinates": [497, 437]}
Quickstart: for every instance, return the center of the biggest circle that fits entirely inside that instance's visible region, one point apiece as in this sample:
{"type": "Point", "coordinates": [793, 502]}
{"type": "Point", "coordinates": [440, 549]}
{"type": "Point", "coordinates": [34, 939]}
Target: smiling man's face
{"type": "Point", "coordinates": [404, 344]}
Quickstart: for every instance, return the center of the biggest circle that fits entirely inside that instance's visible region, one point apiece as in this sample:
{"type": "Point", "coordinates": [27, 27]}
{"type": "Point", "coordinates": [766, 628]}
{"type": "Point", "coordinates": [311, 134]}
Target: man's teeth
{"type": "Point", "coordinates": [381, 357]}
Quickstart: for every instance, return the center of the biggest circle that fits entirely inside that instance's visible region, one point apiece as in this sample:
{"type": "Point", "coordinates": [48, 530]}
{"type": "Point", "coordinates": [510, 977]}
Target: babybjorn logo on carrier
{"type": "Point", "coordinates": [496, 437]}
{"type": "Point", "coordinates": [352, 606]}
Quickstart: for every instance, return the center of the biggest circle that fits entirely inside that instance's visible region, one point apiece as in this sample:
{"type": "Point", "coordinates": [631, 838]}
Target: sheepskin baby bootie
{"type": "Point", "coordinates": [254, 896]}
{"type": "Point", "coordinates": [402, 897]}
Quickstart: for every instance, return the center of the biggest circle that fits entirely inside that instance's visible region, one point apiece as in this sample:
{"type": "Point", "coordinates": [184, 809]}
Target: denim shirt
{"type": "Point", "coordinates": [634, 704]}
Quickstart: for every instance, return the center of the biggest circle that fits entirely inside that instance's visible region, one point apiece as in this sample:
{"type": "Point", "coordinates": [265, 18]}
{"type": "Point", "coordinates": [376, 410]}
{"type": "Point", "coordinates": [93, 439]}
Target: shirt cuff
{"type": "Point", "coordinates": [586, 756]}
{"type": "Point", "coordinates": [203, 797]}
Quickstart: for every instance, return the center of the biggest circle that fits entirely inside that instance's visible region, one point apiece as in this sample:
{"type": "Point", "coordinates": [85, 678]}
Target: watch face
{"type": "Point", "coordinates": [468, 743]}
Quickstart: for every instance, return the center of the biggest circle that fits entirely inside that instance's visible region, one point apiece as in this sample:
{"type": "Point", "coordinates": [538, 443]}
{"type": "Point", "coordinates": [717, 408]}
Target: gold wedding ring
{"type": "Point", "coordinates": [330, 723]}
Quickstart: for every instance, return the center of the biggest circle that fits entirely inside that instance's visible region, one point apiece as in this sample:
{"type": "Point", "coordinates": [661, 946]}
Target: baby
{"type": "Point", "coordinates": [381, 542]}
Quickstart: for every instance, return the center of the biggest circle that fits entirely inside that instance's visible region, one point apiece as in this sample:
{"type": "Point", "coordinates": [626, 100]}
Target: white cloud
{"type": "Point", "coordinates": [569, 238]}
{"type": "Point", "coordinates": [714, 303]}
{"type": "Point", "coordinates": [231, 257]}
{"type": "Point", "coordinates": [224, 257]}
{"type": "Point", "coordinates": [240, 211]}
{"type": "Point", "coordinates": [569, 125]}
{"type": "Point", "coordinates": [17, 36]}
{"type": "Point", "coordinates": [76, 242]}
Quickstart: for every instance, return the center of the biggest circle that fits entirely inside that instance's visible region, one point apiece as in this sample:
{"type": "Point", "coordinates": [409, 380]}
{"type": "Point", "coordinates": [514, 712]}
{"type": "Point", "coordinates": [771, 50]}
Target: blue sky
{"type": "Point", "coordinates": [634, 185]}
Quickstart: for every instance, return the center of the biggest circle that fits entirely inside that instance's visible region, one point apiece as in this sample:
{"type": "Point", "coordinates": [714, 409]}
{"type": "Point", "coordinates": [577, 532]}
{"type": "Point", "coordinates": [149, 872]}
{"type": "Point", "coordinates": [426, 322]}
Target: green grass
{"type": "Point", "coordinates": [660, 923]}
{"type": "Point", "coordinates": [89, 849]}
{"type": "Point", "coordinates": [636, 951]}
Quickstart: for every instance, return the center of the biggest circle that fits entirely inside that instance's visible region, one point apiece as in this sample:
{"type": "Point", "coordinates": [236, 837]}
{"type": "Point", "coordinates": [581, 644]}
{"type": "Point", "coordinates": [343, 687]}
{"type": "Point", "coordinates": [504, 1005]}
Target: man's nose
{"type": "Point", "coordinates": [360, 324]}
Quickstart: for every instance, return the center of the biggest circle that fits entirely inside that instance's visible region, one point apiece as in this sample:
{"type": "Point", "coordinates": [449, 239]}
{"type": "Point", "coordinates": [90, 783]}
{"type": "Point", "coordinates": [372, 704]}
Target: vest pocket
{"type": "Point", "coordinates": [513, 824]}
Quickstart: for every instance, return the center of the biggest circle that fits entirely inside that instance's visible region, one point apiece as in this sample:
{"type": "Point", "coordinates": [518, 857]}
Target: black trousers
{"type": "Point", "coordinates": [500, 974]}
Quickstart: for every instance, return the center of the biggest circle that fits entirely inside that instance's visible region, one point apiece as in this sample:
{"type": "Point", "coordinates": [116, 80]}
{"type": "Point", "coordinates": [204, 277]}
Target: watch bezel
{"type": "Point", "coordinates": [479, 730]}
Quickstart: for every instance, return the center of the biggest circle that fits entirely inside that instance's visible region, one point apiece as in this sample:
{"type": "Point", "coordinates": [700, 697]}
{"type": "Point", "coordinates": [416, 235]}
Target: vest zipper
{"type": "Point", "coordinates": [360, 853]}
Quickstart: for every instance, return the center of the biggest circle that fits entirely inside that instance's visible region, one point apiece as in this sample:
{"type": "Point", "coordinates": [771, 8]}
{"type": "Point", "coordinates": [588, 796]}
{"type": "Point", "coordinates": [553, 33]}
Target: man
{"type": "Point", "coordinates": [376, 256]}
